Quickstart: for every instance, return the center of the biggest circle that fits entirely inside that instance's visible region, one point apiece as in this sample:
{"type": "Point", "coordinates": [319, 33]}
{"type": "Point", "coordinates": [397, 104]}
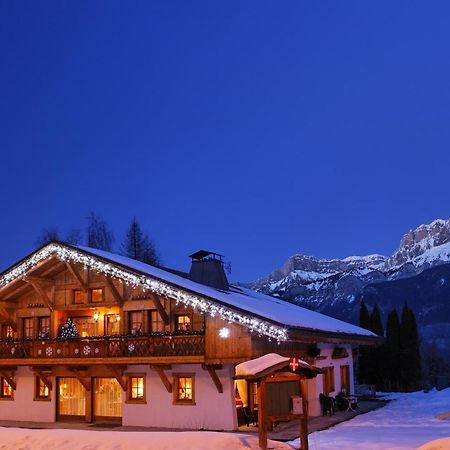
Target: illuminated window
{"type": "Point", "coordinates": [112, 324]}
{"type": "Point", "coordinates": [184, 393]}
{"type": "Point", "coordinates": [78, 296]}
{"type": "Point", "coordinates": [254, 389]}
{"type": "Point", "coordinates": [6, 391]}
{"type": "Point", "coordinates": [135, 322]}
{"type": "Point", "coordinates": [136, 389]}
{"type": "Point", "coordinates": [28, 329]}
{"type": "Point", "coordinates": [183, 322]}
{"type": "Point", "coordinates": [42, 391]}
{"type": "Point", "coordinates": [96, 295]}
{"type": "Point", "coordinates": [44, 326]}
{"type": "Point", "coordinates": [156, 323]}
{"type": "Point", "coordinates": [7, 331]}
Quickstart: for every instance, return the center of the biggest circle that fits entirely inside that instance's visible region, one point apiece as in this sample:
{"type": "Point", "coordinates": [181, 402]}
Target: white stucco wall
{"type": "Point", "coordinates": [212, 411]}
{"type": "Point", "coordinates": [23, 407]}
{"type": "Point", "coordinates": [315, 385]}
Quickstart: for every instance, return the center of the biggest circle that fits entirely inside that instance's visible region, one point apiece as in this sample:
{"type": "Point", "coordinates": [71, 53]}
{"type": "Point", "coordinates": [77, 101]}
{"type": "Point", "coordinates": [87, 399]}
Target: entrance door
{"type": "Point", "coordinates": [71, 399]}
{"type": "Point", "coordinates": [107, 400]}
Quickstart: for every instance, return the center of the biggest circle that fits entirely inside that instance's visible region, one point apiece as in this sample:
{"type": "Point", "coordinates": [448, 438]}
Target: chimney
{"type": "Point", "coordinates": [207, 268]}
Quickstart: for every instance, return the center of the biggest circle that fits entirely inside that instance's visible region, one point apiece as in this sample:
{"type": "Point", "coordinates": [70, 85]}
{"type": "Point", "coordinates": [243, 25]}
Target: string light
{"type": "Point", "coordinates": [156, 286]}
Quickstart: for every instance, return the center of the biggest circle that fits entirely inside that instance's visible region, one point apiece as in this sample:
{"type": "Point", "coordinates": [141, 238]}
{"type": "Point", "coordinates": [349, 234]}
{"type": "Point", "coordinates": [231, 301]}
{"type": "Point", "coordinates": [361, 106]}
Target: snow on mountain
{"type": "Point", "coordinates": [335, 286]}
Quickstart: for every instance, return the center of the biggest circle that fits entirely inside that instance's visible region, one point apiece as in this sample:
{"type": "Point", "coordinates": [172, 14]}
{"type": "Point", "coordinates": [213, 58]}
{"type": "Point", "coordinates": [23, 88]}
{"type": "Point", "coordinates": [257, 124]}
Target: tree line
{"type": "Point", "coordinates": [136, 244]}
{"type": "Point", "coordinates": [396, 365]}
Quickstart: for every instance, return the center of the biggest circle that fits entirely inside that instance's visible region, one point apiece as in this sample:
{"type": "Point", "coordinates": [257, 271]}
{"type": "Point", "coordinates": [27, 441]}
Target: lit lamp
{"type": "Point", "coordinates": [224, 332]}
{"type": "Point", "coordinates": [96, 316]}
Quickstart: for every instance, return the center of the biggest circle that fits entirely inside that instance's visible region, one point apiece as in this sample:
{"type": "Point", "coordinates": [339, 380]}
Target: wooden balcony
{"type": "Point", "coordinates": [141, 349]}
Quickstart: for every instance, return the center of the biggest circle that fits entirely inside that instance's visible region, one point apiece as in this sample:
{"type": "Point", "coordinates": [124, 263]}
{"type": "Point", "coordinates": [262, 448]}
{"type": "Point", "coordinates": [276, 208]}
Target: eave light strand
{"type": "Point", "coordinates": [200, 304]}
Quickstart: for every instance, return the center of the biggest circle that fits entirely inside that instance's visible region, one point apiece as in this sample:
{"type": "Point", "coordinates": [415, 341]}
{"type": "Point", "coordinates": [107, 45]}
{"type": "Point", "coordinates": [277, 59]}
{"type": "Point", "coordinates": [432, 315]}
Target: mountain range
{"type": "Point", "coordinates": [417, 273]}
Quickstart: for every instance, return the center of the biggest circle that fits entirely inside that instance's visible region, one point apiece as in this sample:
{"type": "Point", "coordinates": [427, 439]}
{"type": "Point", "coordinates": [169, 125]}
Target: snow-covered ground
{"type": "Point", "coordinates": [24, 439]}
{"type": "Point", "coordinates": [406, 423]}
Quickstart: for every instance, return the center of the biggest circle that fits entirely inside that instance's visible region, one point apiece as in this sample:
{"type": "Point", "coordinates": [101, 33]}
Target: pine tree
{"type": "Point", "coordinates": [410, 362]}
{"type": "Point", "coordinates": [68, 330]}
{"type": "Point", "coordinates": [98, 234]}
{"type": "Point", "coordinates": [392, 352]}
{"type": "Point", "coordinates": [364, 368]}
{"type": "Point", "coordinates": [137, 245]}
{"type": "Point", "coordinates": [377, 354]}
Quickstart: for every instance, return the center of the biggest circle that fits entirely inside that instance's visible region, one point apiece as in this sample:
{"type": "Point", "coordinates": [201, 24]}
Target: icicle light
{"type": "Point", "coordinates": [202, 305]}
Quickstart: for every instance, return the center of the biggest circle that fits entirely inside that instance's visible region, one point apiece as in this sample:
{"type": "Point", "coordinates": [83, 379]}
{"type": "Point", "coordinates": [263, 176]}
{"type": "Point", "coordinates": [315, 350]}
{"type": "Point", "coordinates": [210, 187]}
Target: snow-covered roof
{"type": "Point", "coordinates": [262, 313]}
{"type": "Point", "coordinates": [258, 365]}
{"type": "Point", "coordinates": [265, 306]}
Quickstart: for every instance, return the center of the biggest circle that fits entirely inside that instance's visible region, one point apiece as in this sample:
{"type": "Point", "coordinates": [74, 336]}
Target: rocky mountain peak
{"type": "Point", "coordinates": [416, 242]}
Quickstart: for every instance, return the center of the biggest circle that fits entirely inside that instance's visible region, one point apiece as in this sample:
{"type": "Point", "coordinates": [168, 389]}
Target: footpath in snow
{"type": "Point", "coordinates": [408, 422]}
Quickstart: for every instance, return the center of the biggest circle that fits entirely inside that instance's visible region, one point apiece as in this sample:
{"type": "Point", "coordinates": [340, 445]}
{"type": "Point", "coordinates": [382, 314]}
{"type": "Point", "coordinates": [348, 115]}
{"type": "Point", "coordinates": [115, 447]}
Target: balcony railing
{"type": "Point", "coordinates": [105, 347]}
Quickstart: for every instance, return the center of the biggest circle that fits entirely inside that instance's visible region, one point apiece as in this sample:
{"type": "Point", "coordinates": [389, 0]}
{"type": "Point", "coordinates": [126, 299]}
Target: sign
{"type": "Point", "coordinates": [293, 364]}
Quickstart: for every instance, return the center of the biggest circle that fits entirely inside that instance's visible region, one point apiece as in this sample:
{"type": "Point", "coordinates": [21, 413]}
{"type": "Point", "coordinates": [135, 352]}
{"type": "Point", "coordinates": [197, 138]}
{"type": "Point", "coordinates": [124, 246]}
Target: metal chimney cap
{"type": "Point", "coordinates": [201, 254]}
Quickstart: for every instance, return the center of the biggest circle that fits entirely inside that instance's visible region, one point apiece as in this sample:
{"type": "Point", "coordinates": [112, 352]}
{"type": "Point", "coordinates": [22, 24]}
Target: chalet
{"type": "Point", "coordinates": [92, 336]}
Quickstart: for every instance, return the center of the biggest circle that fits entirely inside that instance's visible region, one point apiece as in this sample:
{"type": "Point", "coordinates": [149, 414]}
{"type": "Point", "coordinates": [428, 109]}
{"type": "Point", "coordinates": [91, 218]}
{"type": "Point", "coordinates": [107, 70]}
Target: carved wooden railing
{"type": "Point", "coordinates": [104, 347]}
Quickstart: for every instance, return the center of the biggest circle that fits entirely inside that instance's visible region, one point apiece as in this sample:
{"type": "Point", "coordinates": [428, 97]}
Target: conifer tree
{"type": "Point", "coordinates": [364, 368]}
{"type": "Point", "coordinates": [377, 358]}
{"type": "Point", "coordinates": [137, 245]}
{"type": "Point", "coordinates": [68, 330]}
{"type": "Point", "coordinates": [392, 352]}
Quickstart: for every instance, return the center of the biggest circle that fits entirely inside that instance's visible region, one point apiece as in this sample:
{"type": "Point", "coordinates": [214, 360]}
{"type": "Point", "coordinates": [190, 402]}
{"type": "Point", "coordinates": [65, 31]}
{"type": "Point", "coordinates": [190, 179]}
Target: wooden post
{"type": "Point", "coordinates": [262, 415]}
{"type": "Point", "coordinates": [304, 420]}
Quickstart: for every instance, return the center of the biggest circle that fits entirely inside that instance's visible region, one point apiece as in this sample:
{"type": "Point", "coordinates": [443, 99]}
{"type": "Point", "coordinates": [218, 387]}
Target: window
{"type": "Point", "coordinates": [42, 391]}
{"type": "Point", "coordinates": [96, 295]}
{"type": "Point", "coordinates": [112, 324]}
{"type": "Point", "coordinates": [345, 379]}
{"type": "Point", "coordinates": [136, 322]}
{"type": "Point", "coordinates": [183, 322]}
{"type": "Point", "coordinates": [6, 391]}
{"type": "Point", "coordinates": [28, 329]}
{"type": "Point", "coordinates": [78, 296]}
{"type": "Point", "coordinates": [328, 380]}
{"type": "Point", "coordinates": [7, 331]}
{"type": "Point", "coordinates": [156, 323]}
{"type": "Point", "coordinates": [184, 392]}
{"type": "Point", "coordinates": [254, 389]}
{"type": "Point", "coordinates": [86, 326]}
{"type": "Point", "coordinates": [136, 389]}
{"type": "Point", "coordinates": [44, 327]}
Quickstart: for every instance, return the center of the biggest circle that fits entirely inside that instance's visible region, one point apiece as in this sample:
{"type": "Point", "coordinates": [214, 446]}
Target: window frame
{"type": "Point", "coordinates": [328, 380]}
{"type": "Point", "coordinates": [183, 314]}
{"type": "Point", "coordinates": [176, 386]}
{"type": "Point", "coordinates": [40, 320]}
{"type": "Point", "coordinates": [83, 297]}
{"type": "Point", "coordinates": [2, 386]}
{"type": "Point", "coordinates": [129, 398]}
{"type": "Point", "coordinates": [91, 298]}
{"type": "Point", "coordinates": [130, 322]}
{"type": "Point", "coordinates": [32, 327]}
{"type": "Point", "coordinates": [159, 321]}
{"type": "Point", "coordinates": [37, 387]}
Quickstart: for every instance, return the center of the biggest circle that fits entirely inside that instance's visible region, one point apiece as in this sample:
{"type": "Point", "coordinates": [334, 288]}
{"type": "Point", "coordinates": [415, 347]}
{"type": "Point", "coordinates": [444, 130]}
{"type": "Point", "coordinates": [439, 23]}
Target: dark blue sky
{"type": "Point", "coordinates": [255, 129]}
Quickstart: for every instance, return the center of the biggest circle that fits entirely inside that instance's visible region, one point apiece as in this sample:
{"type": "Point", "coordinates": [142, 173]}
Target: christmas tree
{"type": "Point", "coordinates": [68, 330]}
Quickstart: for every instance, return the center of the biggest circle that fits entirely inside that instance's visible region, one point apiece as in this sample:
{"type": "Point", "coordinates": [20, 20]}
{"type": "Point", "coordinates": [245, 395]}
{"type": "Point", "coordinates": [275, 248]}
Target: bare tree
{"type": "Point", "coordinates": [74, 236]}
{"type": "Point", "coordinates": [98, 234]}
{"type": "Point", "coordinates": [137, 245]}
{"type": "Point", "coordinates": [47, 235]}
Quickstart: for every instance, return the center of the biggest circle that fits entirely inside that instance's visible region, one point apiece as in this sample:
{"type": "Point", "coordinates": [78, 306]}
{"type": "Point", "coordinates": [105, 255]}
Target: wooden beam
{"type": "Point", "coordinates": [44, 377]}
{"type": "Point", "coordinates": [85, 381]}
{"type": "Point", "coordinates": [118, 375]}
{"type": "Point", "coordinates": [37, 284]}
{"type": "Point", "coordinates": [7, 316]}
{"type": "Point", "coordinates": [304, 419]}
{"type": "Point", "coordinates": [159, 369]}
{"type": "Point", "coordinates": [262, 415]}
{"type": "Point", "coordinates": [79, 279]}
{"type": "Point", "coordinates": [213, 374]}
{"type": "Point", "coordinates": [162, 312]}
{"type": "Point", "coordinates": [114, 291]}
{"type": "Point", "coordinates": [8, 378]}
